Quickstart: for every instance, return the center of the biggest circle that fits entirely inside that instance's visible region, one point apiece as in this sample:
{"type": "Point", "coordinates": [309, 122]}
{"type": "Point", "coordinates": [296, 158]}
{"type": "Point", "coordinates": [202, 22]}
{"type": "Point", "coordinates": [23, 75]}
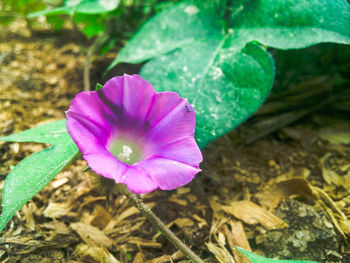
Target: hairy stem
{"type": "Point", "coordinates": [137, 201]}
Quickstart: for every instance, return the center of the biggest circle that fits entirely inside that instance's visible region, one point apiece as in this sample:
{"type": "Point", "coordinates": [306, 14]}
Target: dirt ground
{"type": "Point", "coordinates": [278, 185]}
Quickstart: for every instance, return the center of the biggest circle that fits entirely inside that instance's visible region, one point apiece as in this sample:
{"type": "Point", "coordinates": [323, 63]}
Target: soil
{"type": "Point", "coordinates": [278, 185]}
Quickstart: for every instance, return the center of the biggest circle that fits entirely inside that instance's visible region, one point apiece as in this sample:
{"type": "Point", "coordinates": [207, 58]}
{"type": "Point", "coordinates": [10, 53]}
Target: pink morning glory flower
{"type": "Point", "coordinates": [138, 137]}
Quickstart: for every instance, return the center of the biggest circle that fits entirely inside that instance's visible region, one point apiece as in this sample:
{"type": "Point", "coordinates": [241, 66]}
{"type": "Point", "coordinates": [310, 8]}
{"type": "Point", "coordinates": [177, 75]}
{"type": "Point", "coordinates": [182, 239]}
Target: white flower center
{"type": "Point", "coordinates": [126, 151]}
{"type": "Point", "coordinates": [125, 155]}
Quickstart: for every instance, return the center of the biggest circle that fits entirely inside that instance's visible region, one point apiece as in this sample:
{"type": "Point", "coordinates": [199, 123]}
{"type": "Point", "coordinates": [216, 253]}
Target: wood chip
{"type": "Point", "coordinates": [100, 217]}
{"type": "Point", "coordinates": [276, 191]}
{"type": "Point", "coordinates": [92, 235]}
{"type": "Point", "coordinates": [96, 254]}
{"type": "Point", "coordinates": [167, 258]}
{"type": "Point", "coordinates": [253, 214]}
{"type": "Point", "coordinates": [55, 210]}
{"type": "Point", "coordinates": [237, 237]}
{"type": "Point", "coordinates": [220, 253]}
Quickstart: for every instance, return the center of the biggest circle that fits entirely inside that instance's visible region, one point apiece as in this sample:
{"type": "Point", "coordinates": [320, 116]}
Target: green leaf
{"type": "Point", "coordinates": [98, 86]}
{"type": "Point", "coordinates": [224, 92]}
{"type": "Point", "coordinates": [209, 52]}
{"type": "Point", "coordinates": [80, 6]}
{"type": "Point", "coordinates": [259, 259]}
{"type": "Point", "coordinates": [38, 169]}
{"type": "Point", "coordinates": [50, 133]}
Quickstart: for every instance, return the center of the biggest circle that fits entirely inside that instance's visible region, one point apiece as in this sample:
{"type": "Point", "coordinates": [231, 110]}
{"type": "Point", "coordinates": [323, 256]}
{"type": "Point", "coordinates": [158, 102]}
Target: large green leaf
{"type": "Point", "coordinates": [259, 259]}
{"type": "Point", "coordinates": [38, 169]}
{"type": "Point", "coordinates": [204, 51]}
{"type": "Point", "coordinates": [80, 6]}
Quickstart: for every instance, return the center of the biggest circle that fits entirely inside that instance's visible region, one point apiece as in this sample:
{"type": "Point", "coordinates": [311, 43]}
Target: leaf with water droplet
{"type": "Point", "coordinates": [209, 52]}
{"type": "Point", "coordinates": [37, 170]}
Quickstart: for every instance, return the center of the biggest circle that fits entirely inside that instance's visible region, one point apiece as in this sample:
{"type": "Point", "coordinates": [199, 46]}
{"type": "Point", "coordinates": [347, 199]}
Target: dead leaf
{"type": "Point", "coordinates": [98, 254]}
{"type": "Point", "coordinates": [277, 190]}
{"type": "Point", "coordinates": [220, 253]}
{"type": "Point", "coordinates": [331, 176]}
{"type": "Point", "coordinates": [92, 235]}
{"type": "Point", "coordinates": [100, 217]}
{"type": "Point", "coordinates": [181, 222]}
{"type": "Point", "coordinates": [253, 214]}
{"type": "Point", "coordinates": [237, 237]}
{"type": "Point", "coordinates": [336, 135]}
{"type": "Point", "coordinates": [167, 258]}
{"type": "Point", "coordinates": [55, 210]}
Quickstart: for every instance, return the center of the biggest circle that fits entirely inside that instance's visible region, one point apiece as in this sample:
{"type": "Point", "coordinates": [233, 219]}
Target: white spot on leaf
{"type": "Point", "coordinates": [191, 10]}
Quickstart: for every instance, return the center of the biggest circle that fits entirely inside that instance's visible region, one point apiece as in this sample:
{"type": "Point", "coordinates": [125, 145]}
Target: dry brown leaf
{"type": "Point", "coordinates": [58, 226]}
{"type": "Point", "coordinates": [220, 253]}
{"type": "Point", "coordinates": [174, 198]}
{"type": "Point", "coordinates": [55, 210]}
{"type": "Point", "coordinates": [143, 243]}
{"type": "Point", "coordinates": [237, 237]}
{"type": "Point", "coordinates": [59, 182]}
{"type": "Point", "coordinates": [139, 258]}
{"type": "Point", "coordinates": [201, 221]}
{"type": "Point", "coordinates": [167, 258]}
{"type": "Point", "coordinates": [28, 211]}
{"type": "Point", "coordinates": [331, 208]}
{"type": "Point", "coordinates": [338, 135]}
{"type": "Point", "coordinates": [125, 214]}
{"type": "Point", "coordinates": [100, 217]}
{"type": "Point", "coordinates": [281, 189]}
{"type": "Point", "coordinates": [331, 176]}
{"type": "Point", "coordinates": [89, 200]}
{"type": "Point", "coordinates": [183, 190]}
{"type": "Point", "coordinates": [181, 222]}
{"type": "Point", "coordinates": [99, 254]}
{"type": "Point", "coordinates": [253, 214]}
{"type": "Point", "coordinates": [192, 198]}
{"type": "Point", "coordinates": [345, 225]}
{"type": "Point", "coordinates": [92, 235]}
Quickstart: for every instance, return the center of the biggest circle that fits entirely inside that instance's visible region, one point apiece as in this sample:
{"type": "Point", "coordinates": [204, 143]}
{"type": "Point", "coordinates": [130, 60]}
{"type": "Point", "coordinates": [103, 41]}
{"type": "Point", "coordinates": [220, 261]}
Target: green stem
{"type": "Point", "coordinates": [137, 201]}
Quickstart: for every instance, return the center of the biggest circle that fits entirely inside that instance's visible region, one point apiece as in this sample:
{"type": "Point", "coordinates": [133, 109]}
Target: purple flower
{"type": "Point", "coordinates": [129, 133]}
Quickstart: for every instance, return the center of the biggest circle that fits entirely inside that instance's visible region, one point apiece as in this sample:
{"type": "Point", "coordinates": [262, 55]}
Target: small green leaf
{"type": "Point", "coordinates": [98, 86]}
{"type": "Point", "coordinates": [34, 172]}
{"type": "Point", "coordinates": [259, 259]}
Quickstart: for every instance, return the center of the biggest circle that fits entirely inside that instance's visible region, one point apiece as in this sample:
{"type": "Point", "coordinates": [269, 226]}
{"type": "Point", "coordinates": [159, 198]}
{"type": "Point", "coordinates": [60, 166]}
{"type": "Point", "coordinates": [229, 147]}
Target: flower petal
{"type": "Point", "coordinates": [90, 108]}
{"type": "Point", "coordinates": [185, 150]}
{"type": "Point", "coordinates": [177, 123]}
{"type": "Point", "coordinates": [105, 164]}
{"type": "Point", "coordinates": [130, 98]}
{"type": "Point", "coordinates": [138, 180]}
{"type": "Point", "coordinates": [88, 137]}
{"type": "Point", "coordinates": [94, 151]}
{"type": "Point", "coordinates": [168, 174]}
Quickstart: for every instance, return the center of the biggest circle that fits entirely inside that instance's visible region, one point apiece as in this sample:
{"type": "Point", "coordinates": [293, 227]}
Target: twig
{"type": "Point", "coordinates": [91, 50]}
{"type": "Point", "coordinates": [137, 201]}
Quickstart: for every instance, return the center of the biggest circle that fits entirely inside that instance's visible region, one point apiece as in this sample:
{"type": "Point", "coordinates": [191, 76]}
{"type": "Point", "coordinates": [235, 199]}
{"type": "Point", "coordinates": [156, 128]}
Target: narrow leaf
{"type": "Point", "coordinates": [32, 174]}
{"type": "Point", "coordinates": [48, 133]}
{"type": "Point", "coordinates": [259, 259]}
{"type": "Point", "coordinates": [38, 169]}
